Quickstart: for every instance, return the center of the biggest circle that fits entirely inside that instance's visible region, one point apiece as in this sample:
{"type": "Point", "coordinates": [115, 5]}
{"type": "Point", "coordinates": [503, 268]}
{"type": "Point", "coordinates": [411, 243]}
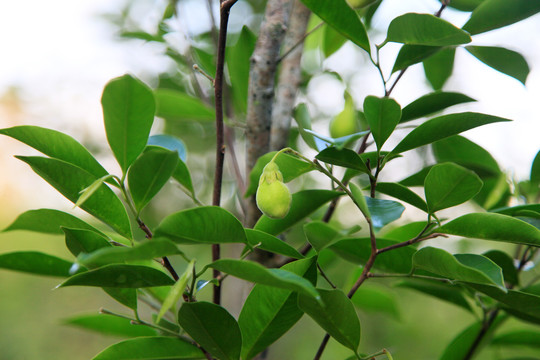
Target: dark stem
{"type": "Point", "coordinates": [389, 91]}
{"type": "Point", "coordinates": [410, 242]}
{"type": "Point", "coordinates": [164, 260]}
{"type": "Point", "coordinates": [483, 331]}
{"type": "Point", "coordinates": [322, 347]}
{"type": "Point", "coordinates": [299, 42]}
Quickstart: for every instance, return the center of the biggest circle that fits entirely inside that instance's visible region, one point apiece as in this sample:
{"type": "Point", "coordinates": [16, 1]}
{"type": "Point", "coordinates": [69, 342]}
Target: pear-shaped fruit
{"type": "Point", "coordinates": [273, 197]}
{"type": "Point", "coordinates": [358, 4]}
{"type": "Point", "coordinates": [345, 123]}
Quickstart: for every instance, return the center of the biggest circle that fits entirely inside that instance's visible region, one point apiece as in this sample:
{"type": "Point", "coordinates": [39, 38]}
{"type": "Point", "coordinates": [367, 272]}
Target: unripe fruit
{"type": "Point", "coordinates": [358, 4]}
{"type": "Point", "coordinates": [345, 122]}
{"type": "Point", "coordinates": [273, 197]}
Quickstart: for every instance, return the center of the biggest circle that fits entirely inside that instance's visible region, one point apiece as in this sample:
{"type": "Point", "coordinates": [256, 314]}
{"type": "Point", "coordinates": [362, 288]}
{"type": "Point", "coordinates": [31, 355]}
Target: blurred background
{"type": "Point", "coordinates": [58, 55]}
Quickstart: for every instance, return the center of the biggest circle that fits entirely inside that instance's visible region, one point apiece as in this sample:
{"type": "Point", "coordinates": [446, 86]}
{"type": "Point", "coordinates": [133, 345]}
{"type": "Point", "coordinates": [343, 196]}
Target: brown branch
{"type": "Point", "coordinates": [409, 242]}
{"type": "Point", "coordinates": [164, 260]}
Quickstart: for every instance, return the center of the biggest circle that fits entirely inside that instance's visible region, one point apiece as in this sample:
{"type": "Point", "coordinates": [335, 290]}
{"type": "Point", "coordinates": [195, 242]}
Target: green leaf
{"type": "Point", "coordinates": [336, 315]}
{"type": "Point", "coordinates": [402, 193]}
{"type": "Point", "coordinates": [109, 325]}
{"type": "Point", "coordinates": [175, 105]}
{"type": "Point", "coordinates": [527, 338]}
{"type": "Point", "coordinates": [149, 173]}
{"type": "Point", "coordinates": [506, 263]}
{"type": "Point", "coordinates": [466, 153]}
{"type": "Point", "coordinates": [506, 61]}
{"type": "Point", "coordinates": [416, 179]}
{"type": "Point", "coordinates": [413, 54]}
{"type": "Point", "coordinates": [357, 250]}
{"type": "Point", "coordinates": [495, 14]}
{"type": "Point", "coordinates": [338, 142]}
{"type": "Point", "coordinates": [125, 296]}
{"type": "Point", "coordinates": [465, 5]}
{"type": "Point", "coordinates": [128, 112]}
{"type": "Point", "coordinates": [147, 250]}
{"type": "Point", "coordinates": [151, 348]}
{"type": "Point", "coordinates": [57, 145]}
{"type": "Point", "coordinates": [206, 224]}
{"type": "Point", "coordinates": [256, 273]}
{"type": "Point", "coordinates": [404, 232]}
{"type": "Point", "coordinates": [213, 328]}
{"type": "Point", "coordinates": [360, 200]}
{"type": "Point", "coordinates": [490, 226]}
{"type": "Point", "coordinates": [319, 234]}
{"type": "Point", "coordinates": [516, 210]}
{"type": "Point", "coordinates": [382, 115]}
{"type": "Point", "coordinates": [448, 185]}
{"type": "Point", "coordinates": [303, 204]}
{"type": "Point", "coordinates": [332, 41]}
{"type": "Point", "coordinates": [376, 299]}
{"type": "Point", "coordinates": [341, 17]}
{"type": "Point", "coordinates": [238, 60]}
{"type": "Point", "coordinates": [35, 262]}
{"type": "Point", "coordinates": [69, 180]}
{"type": "Point", "coordinates": [468, 268]}
{"type": "Point", "coordinates": [91, 189]}
{"type": "Point", "coordinates": [518, 303]}
{"type": "Point", "coordinates": [425, 29]}
{"type": "Point", "coordinates": [344, 157]}
{"type": "Point", "coordinates": [176, 292]}
{"type": "Point", "coordinates": [84, 241]}
{"type": "Point", "coordinates": [271, 243]}
{"type": "Point", "coordinates": [535, 169]}
{"type": "Point", "coordinates": [120, 276]}
{"type": "Point", "coordinates": [170, 143]}
{"type": "Point", "coordinates": [383, 212]}
{"type": "Point", "coordinates": [441, 291]}
{"type": "Point", "coordinates": [48, 221]}
{"type": "Point", "coordinates": [432, 103]}
{"type": "Point", "coordinates": [268, 313]}
{"type": "Point", "coordinates": [439, 67]}
{"type": "Point", "coordinates": [290, 166]}
{"type": "Point", "coordinates": [182, 175]}
{"type": "Point", "coordinates": [460, 345]}
{"type": "Point", "coordinates": [442, 127]}
{"type": "Point", "coordinates": [303, 120]}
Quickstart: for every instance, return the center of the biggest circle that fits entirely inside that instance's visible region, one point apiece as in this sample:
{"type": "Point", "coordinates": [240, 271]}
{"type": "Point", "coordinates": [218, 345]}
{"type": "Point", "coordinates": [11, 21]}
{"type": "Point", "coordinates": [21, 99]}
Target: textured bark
{"type": "Point", "coordinates": [289, 76]}
{"type": "Point", "coordinates": [261, 88]}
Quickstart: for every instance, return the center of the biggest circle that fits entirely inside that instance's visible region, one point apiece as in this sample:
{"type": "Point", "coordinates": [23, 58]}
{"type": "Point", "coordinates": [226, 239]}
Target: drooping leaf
{"type": "Point", "coordinates": [518, 303]}
{"type": "Point", "coordinates": [491, 226]}
{"type": "Point", "coordinates": [442, 127]}
{"type": "Point", "coordinates": [441, 291]}
{"type": "Point", "coordinates": [109, 325]}
{"type": "Point", "coordinates": [48, 221]}
{"type": "Point", "coordinates": [206, 224]}
{"type": "Point", "coordinates": [402, 193]}
{"type": "Point", "coordinates": [69, 180]}
{"type": "Point", "coordinates": [425, 29]}
{"type": "Point", "coordinates": [171, 143]}
{"type": "Point", "coordinates": [344, 157]}
{"type": "Point", "coordinates": [413, 54]}
{"type": "Point", "coordinates": [176, 105]}
{"type": "Point", "coordinates": [182, 175]}
{"type": "Point", "coordinates": [268, 313]}
{"type": "Point", "coordinates": [56, 145]}
{"type": "Point", "coordinates": [128, 112]}
{"type": "Point", "coordinates": [332, 41]}
{"type": "Point", "coordinates": [506, 263]}
{"type": "Point", "coordinates": [150, 348]}
{"type": "Point", "coordinates": [336, 315]}
{"type": "Point", "coordinates": [149, 173]}
{"type": "Point", "coordinates": [271, 243]}
{"type": "Point", "coordinates": [256, 273]}
{"type": "Point", "coordinates": [238, 60]}
{"type": "Point", "coordinates": [341, 17]}
{"type": "Point", "coordinates": [506, 61]}
{"type": "Point", "coordinates": [176, 292]}
{"type": "Point", "coordinates": [120, 276]}
{"type": "Point", "coordinates": [213, 328]}
{"type": "Point", "coordinates": [448, 185]}
{"type": "Point", "coordinates": [439, 67]}
{"type": "Point", "coordinates": [432, 103]}
{"type": "Point", "coordinates": [84, 241]}
{"type": "Point", "coordinates": [303, 204]}
{"type": "Point", "coordinates": [38, 263]}
{"type": "Point", "coordinates": [383, 212]}
{"type": "Point", "coordinates": [382, 115]}
{"type": "Point", "coordinates": [319, 234]}
{"type": "Point", "coordinates": [495, 14]}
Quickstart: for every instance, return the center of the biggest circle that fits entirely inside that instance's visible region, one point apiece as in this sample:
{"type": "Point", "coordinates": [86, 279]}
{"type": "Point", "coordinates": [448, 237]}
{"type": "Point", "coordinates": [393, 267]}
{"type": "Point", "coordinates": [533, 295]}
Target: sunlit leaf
{"type": "Point", "coordinates": [177, 290]}
{"type": "Point", "coordinates": [84, 241]}
{"type": "Point", "coordinates": [267, 242]}
{"type": "Point", "coordinates": [438, 68]}
{"type": "Point", "coordinates": [506, 61]}
{"type": "Point", "coordinates": [402, 193]}
{"type": "Point", "coordinates": [48, 221]}
{"type": "Point", "coordinates": [176, 105]}
{"type": "Point", "coordinates": [382, 115]}
{"type": "Point", "coordinates": [432, 103]}
{"type": "Point", "coordinates": [109, 325]}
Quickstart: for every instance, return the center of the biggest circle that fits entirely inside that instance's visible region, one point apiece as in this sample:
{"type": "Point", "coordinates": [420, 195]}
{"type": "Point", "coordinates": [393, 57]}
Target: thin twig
{"type": "Point", "coordinates": [300, 42]}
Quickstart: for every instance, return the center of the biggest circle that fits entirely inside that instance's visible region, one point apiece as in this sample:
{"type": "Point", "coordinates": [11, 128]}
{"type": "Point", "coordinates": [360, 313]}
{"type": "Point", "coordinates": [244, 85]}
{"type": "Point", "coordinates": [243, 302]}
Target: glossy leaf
{"type": "Point", "coordinates": [149, 173]}
{"type": "Point", "coordinates": [182, 175]}
{"type": "Point", "coordinates": [120, 276]}
{"type": "Point", "coordinates": [48, 221]}
{"type": "Point", "coordinates": [460, 345]}
{"type": "Point", "coordinates": [383, 212]}
{"type": "Point", "coordinates": [382, 115]}
{"type": "Point", "coordinates": [256, 273]}
{"type": "Point", "coordinates": [442, 127]}
{"type": "Point", "coordinates": [441, 291]}
{"type": "Point", "coordinates": [109, 325]}
{"type": "Point", "coordinates": [125, 296]}
{"type": "Point", "coordinates": [529, 338]}
{"type": "Point", "coordinates": [238, 60]}
{"type": "Point", "coordinates": [303, 204]}
{"type": "Point", "coordinates": [345, 157]}
{"type": "Point", "coordinates": [490, 226]}
{"type": "Point", "coordinates": [177, 290]}
{"type": "Point", "coordinates": [425, 29]}
{"type": "Point", "coordinates": [523, 304]}
{"type": "Point", "coordinates": [213, 328]}
{"type": "Point", "coordinates": [206, 224]}
{"type": "Point", "coordinates": [432, 103]}
{"type": "Point", "coordinates": [128, 112]}
{"type": "Point", "coordinates": [84, 241]}
{"type": "Point", "coordinates": [402, 193]}
{"type": "Point", "coordinates": [176, 105]}
{"type": "Point", "coordinates": [69, 180]}
{"type": "Point", "coordinates": [506, 61]}
{"type": "Point", "coordinates": [448, 185]}
{"type": "Point", "coordinates": [267, 242]}
{"type": "Point", "coordinates": [35, 262]}
{"type": "Point", "coordinates": [336, 315]}
{"type": "Point", "coordinates": [468, 268]}
{"type": "Point", "coordinates": [56, 145]}
{"type": "Point", "coordinates": [404, 232]}
{"type": "Point", "coordinates": [439, 67]}
{"type": "Point", "coordinates": [341, 17]}
{"type": "Point", "coordinates": [319, 234]}
{"type": "Point", "coordinates": [170, 143]}
{"type": "Point", "coordinates": [268, 313]}
{"type": "Point", "coordinates": [506, 263]}
{"type": "Point", "coordinates": [290, 166]}
{"type": "Point", "coordinates": [413, 54]}
{"type": "Point", "coordinates": [495, 14]}
{"type": "Point", "coordinates": [151, 348]}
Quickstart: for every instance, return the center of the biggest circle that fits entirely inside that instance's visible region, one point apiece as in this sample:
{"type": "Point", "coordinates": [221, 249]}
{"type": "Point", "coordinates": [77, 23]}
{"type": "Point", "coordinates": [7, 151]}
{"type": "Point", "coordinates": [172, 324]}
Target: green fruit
{"type": "Point", "coordinates": [273, 197]}
{"type": "Point", "coordinates": [345, 122]}
{"type": "Point", "coordinates": [358, 4]}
